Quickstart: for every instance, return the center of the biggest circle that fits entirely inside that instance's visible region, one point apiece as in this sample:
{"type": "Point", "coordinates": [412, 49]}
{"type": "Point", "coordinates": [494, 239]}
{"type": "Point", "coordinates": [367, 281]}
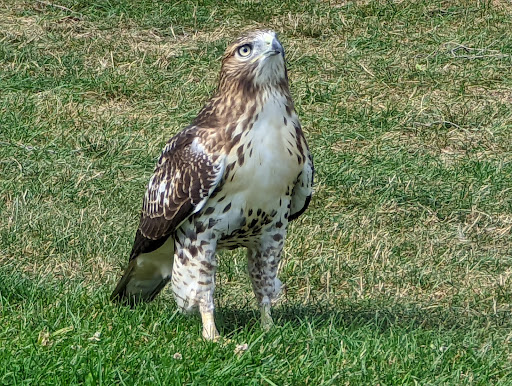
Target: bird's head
{"type": "Point", "coordinates": [254, 60]}
{"type": "Point", "coordinates": [253, 67]}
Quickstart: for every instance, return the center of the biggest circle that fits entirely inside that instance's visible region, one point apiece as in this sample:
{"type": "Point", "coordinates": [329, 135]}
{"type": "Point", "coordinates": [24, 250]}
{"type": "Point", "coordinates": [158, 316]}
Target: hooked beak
{"type": "Point", "coordinates": [276, 48]}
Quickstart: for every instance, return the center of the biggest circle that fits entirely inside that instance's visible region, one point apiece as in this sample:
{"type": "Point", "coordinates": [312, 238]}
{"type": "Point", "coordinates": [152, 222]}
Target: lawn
{"type": "Point", "coordinates": [400, 272]}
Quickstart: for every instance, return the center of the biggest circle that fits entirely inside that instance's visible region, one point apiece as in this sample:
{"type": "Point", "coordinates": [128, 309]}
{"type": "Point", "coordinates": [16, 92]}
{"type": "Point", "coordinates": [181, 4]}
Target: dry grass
{"type": "Point", "coordinates": [400, 270]}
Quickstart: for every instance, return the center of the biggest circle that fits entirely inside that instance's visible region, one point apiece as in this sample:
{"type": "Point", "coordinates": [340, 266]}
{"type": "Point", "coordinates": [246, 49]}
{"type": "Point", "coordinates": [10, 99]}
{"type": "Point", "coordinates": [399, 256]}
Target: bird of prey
{"type": "Point", "coordinates": [234, 178]}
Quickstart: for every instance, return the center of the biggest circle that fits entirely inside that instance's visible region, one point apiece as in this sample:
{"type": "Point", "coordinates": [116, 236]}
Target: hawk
{"type": "Point", "coordinates": [234, 178]}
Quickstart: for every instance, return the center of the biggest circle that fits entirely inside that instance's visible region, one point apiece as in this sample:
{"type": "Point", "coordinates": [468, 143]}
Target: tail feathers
{"type": "Point", "coordinates": [145, 276]}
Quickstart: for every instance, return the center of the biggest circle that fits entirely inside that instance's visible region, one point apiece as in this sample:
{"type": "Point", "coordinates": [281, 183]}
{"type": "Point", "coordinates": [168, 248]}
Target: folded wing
{"type": "Point", "coordinates": [185, 176]}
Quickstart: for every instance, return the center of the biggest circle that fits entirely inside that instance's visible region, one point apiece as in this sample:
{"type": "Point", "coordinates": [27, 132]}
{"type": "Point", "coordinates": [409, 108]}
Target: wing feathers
{"type": "Point", "coordinates": [303, 189]}
{"type": "Point", "coordinates": [185, 175]}
{"type": "Point", "coordinates": [184, 178]}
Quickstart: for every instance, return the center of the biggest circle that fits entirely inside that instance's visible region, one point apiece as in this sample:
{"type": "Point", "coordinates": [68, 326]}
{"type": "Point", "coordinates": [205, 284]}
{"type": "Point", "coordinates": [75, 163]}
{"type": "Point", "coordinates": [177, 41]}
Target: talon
{"type": "Point", "coordinates": [211, 334]}
{"type": "Point", "coordinates": [223, 341]}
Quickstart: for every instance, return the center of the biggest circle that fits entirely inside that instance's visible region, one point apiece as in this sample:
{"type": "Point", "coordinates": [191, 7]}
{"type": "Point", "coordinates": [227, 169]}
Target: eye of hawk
{"type": "Point", "coordinates": [245, 50]}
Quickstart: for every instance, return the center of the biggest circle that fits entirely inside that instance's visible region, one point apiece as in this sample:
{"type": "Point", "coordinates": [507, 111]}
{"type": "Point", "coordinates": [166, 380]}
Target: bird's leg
{"type": "Point", "coordinates": [265, 284]}
{"type": "Point", "coordinates": [193, 279]}
{"type": "Point", "coordinates": [206, 308]}
{"type": "Point", "coordinates": [266, 318]}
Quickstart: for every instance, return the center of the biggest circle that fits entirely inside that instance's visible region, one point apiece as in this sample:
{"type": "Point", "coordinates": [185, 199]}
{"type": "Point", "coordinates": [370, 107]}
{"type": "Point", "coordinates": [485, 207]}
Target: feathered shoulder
{"type": "Point", "coordinates": [187, 172]}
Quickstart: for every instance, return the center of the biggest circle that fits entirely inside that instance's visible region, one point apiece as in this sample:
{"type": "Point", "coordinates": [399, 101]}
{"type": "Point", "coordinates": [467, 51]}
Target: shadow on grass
{"type": "Point", "coordinates": [375, 316]}
{"type": "Point", "coordinates": [16, 289]}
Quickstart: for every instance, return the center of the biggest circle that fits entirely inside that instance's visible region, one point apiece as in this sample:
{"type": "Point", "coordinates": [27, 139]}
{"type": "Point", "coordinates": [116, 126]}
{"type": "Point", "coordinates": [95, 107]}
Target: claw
{"type": "Point", "coordinates": [211, 333]}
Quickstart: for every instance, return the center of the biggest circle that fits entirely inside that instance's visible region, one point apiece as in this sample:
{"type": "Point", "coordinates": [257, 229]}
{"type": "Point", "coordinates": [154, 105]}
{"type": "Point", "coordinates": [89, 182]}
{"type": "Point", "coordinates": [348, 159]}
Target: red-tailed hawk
{"type": "Point", "coordinates": [234, 178]}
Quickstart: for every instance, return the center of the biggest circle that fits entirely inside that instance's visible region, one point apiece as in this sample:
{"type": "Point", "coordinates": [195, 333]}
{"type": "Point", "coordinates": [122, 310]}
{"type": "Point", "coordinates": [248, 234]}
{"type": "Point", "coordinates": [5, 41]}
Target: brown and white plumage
{"type": "Point", "coordinates": [234, 178]}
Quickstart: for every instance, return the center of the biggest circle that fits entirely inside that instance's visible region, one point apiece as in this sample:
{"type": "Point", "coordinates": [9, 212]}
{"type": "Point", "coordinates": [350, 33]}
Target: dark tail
{"type": "Point", "coordinates": [145, 275]}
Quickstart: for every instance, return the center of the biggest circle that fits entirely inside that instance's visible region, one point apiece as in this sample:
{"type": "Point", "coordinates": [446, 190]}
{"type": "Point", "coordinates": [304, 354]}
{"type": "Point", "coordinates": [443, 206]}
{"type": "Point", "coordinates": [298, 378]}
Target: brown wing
{"type": "Point", "coordinates": [185, 176]}
{"type": "Point", "coordinates": [303, 189]}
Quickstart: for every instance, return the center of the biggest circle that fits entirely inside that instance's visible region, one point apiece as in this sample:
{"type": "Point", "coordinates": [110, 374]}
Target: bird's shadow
{"type": "Point", "coordinates": [404, 316]}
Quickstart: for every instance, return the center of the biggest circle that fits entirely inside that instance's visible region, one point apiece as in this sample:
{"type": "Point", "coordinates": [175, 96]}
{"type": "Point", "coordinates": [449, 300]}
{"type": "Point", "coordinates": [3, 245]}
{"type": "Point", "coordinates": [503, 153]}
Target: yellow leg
{"type": "Point", "coordinates": [209, 330]}
{"type": "Point", "coordinates": [266, 318]}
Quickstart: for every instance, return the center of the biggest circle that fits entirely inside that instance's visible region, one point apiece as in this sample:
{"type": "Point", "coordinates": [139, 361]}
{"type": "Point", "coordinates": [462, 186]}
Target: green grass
{"type": "Point", "coordinates": [399, 273]}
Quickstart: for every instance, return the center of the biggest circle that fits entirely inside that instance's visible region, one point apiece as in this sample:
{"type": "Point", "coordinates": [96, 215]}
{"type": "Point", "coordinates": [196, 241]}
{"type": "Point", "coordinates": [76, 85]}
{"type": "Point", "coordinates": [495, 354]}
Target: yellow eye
{"type": "Point", "coordinates": [245, 50]}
